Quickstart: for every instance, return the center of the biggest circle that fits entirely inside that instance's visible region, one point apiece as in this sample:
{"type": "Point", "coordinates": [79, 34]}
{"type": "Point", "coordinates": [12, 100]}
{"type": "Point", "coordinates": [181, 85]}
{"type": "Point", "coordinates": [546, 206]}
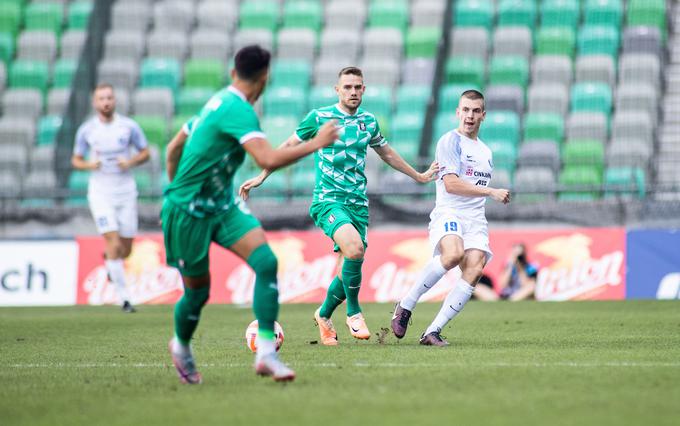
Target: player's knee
{"type": "Point", "coordinates": [354, 250]}
{"type": "Point", "coordinates": [451, 260]}
{"type": "Point", "coordinates": [263, 261]}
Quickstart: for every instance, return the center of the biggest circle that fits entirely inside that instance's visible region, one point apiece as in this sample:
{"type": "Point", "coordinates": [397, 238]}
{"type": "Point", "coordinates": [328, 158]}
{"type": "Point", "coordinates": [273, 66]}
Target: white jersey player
{"type": "Point", "coordinates": [110, 140]}
{"type": "Point", "coordinates": [458, 228]}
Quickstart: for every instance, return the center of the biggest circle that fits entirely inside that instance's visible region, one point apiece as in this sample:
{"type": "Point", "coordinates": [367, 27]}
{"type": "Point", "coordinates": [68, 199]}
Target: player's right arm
{"type": "Point", "coordinates": [78, 160]}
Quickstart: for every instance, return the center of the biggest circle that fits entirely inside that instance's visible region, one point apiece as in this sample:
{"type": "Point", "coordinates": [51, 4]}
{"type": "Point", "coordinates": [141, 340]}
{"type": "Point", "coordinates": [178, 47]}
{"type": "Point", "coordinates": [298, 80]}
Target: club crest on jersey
{"type": "Point", "coordinates": [122, 141]}
{"type": "Point", "coordinates": [362, 126]}
{"type": "Point", "coordinates": [469, 171]}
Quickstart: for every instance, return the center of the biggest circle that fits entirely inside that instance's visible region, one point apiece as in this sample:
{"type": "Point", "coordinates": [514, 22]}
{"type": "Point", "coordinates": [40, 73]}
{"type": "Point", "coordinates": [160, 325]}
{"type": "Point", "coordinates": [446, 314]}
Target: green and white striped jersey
{"type": "Point", "coordinates": [340, 166]}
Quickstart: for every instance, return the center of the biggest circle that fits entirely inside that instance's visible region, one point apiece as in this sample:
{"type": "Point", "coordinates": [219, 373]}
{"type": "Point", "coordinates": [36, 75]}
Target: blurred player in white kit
{"type": "Point", "coordinates": [109, 138]}
{"type": "Point", "coordinates": [458, 227]}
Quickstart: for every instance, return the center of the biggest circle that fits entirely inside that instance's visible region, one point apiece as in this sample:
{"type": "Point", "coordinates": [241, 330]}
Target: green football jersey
{"type": "Point", "coordinates": [204, 181]}
{"type": "Point", "coordinates": [340, 168]}
{"type": "Point", "coordinates": [188, 127]}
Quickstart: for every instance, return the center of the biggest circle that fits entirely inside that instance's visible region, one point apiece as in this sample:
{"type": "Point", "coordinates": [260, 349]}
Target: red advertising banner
{"type": "Point", "coordinates": [575, 264]}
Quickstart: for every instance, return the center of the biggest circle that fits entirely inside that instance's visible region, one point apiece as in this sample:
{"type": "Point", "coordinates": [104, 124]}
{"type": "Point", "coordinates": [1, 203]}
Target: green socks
{"type": "Point", "coordinates": [188, 312]}
{"type": "Point", "coordinates": [266, 297]}
{"type": "Point", "coordinates": [351, 280]}
{"type": "Point", "coordinates": [334, 298]}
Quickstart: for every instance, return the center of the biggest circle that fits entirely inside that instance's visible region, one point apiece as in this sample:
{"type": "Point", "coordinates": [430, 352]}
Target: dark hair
{"type": "Point", "coordinates": [472, 94]}
{"type": "Point", "coordinates": [102, 86]}
{"type": "Point", "coordinates": [251, 61]}
{"type": "Point", "coordinates": [351, 71]}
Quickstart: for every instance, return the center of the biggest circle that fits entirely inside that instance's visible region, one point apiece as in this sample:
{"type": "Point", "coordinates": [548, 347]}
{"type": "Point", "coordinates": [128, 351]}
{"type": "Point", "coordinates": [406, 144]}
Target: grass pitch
{"type": "Point", "coordinates": [509, 363]}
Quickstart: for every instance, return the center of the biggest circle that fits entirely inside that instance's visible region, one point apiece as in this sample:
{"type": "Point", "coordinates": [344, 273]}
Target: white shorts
{"type": "Point", "coordinates": [114, 214]}
{"type": "Point", "coordinates": [475, 233]}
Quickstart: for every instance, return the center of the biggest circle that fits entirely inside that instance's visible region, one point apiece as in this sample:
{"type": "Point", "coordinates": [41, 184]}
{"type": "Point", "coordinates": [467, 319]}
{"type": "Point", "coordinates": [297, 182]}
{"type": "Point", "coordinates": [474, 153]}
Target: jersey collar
{"type": "Point", "coordinates": [237, 92]}
{"type": "Point", "coordinates": [343, 112]}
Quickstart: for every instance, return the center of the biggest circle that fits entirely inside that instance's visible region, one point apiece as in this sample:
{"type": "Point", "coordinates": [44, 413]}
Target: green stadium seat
{"type": "Point", "coordinates": [501, 126]}
{"type": "Point", "coordinates": [517, 13]}
{"type": "Point", "coordinates": [543, 126]}
{"type": "Point", "coordinates": [177, 123]}
{"type": "Point", "coordinates": [48, 127]}
{"type": "Point", "coordinates": [29, 74]}
{"type": "Point", "coordinates": [509, 70]}
{"type": "Point", "coordinates": [44, 16]}
{"type": "Point", "coordinates": [473, 13]}
{"type": "Point", "coordinates": [504, 155]}
{"type": "Point", "coordinates": [10, 18]}
{"type": "Point", "coordinates": [278, 128]}
{"type": "Point", "coordinates": [144, 181]}
{"type": "Point", "coordinates": [191, 99]}
{"type": "Point", "coordinates": [560, 13]}
{"type": "Point", "coordinates": [321, 96]}
{"type": "Point", "coordinates": [276, 186]}
{"type": "Point", "coordinates": [303, 14]}
{"type": "Point", "coordinates": [155, 129]}
{"type": "Point", "coordinates": [598, 40]}
{"type": "Point", "coordinates": [627, 182]}
{"type": "Point", "coordinates": [580, 183]}
{"type": "Point", "coordinates": [64, 70]}
{"type": "Point", "coordinates": [603, 12]}
{"type": "Point", "coordinates": [388, 14]}
{"type": "Point", "coordinates": [302, 181]}
{"type": "Point", "coordinates": [157, 72]}
{"type": "Point", "coordinates": [421, 42]}
{"type": "Point", "coordinates": [259, 14]}
{"type": "Point", "coordinates": [6, 47]}
{"type": "Point", "coordinates": [78, 182]}
{"type": "Point", "coordinates": [443, 122]}
{"type": "Point", "coordinates": [284, 100]}
{"type": "Point", "coordinates": [377, 100]}
{"type": "Point", "coordinates": [79, 14]}
{"type": "Point", "coordinates": [583, 153]}
{"type": "Point", "coordinates": [467, 70]}
{"type": "Point", "coordinates": [291, 73]}
{"type": "Point", "coordinates": [412, 98]}
{"type": "Point", "coordinates": [405, 133]}
{"type": "Point", "coordinates": [648, 13]}
{"type": "Point", "coordinates": [204, 73]}
{"type": "Point", "coordinates": [595, 96]}
{"type": "Point", "coordinates": [449, 95]}
{"type": "Point", "coordinates": [555, 41]}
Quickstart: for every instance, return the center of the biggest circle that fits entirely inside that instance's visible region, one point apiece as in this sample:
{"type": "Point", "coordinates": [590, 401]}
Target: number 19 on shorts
{"type": "Point", "coordinates": [450, 227]}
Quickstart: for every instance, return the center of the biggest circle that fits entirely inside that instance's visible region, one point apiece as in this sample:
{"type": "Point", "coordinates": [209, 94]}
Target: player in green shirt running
{"type": "Point", "coordinates": [340, 204]}
{"type": "Point", "coordinates": [200, 207]}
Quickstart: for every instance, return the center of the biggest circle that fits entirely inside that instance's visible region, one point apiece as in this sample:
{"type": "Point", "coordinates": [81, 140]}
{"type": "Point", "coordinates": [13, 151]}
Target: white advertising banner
{"type": "Point", "coordinates": [38, 273]}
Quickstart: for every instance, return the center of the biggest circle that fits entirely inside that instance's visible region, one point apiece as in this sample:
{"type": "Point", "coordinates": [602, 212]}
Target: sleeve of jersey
{"type": "Point", "coordinates": [448, 156]}
{"type": "Point", "coordinates": [137, 137]}
{"type": "Point", "coordinates": [189, 125]}
{"type": "Point", "coordinates": [308, 127]}
{"type": "Point", "coordinates": [377, 139]}
{"type": "Point", "coordinates": [81, 148]}
{"type": "Point", "coordinates": [244, 126]}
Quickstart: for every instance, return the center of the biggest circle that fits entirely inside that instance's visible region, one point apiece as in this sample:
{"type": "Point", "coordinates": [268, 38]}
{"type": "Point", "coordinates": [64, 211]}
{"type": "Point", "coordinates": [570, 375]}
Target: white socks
{"type": "Point", "coordinates": [264, 347]}
{"type": "Point", "coordinates": [116, 270]}
{"type": "Point", "coordinates": [454, 303]}
{"type": "Point", "coordinates": [431, 274]}
{"type": "Point", "coordinates": [180, 349]}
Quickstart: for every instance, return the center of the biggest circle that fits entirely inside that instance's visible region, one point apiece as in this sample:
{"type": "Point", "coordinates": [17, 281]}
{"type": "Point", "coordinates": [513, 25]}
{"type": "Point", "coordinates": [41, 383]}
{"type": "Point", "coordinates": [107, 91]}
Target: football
{"type": "Point", "coordinates": [251, 335]}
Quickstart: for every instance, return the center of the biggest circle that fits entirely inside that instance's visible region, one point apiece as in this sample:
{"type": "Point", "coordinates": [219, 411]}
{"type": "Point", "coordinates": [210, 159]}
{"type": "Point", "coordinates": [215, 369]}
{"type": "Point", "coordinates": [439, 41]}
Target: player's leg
{"type": "Point", "coordinates": [187, 241]}
{"type": "Point", "coordinates": [334, 298]}
{"type": "Point", "coordinates": [471, 266]}
{"type": "Point", "coordinates": [446, 238]}
{"type": "Point", "coordinates": [241, 232]}
{"type": "Point", "coordinates": [126, 218]}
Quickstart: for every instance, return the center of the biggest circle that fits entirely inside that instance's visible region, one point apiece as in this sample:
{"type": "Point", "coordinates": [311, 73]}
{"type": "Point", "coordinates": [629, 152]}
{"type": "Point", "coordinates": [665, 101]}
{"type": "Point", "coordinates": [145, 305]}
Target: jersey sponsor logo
{"type": "Point", "coordinates": [483, 174]}
{"type": "Point", "coordinates": [481, 182]}
{"type": "Point", "coordinates": [469, 171]}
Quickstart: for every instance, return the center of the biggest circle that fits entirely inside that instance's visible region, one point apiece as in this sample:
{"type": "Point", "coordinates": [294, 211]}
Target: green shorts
{"type": "Point", "coordinates": [187, 238]}
{"type": "Point", "coordinates": [330, 216]}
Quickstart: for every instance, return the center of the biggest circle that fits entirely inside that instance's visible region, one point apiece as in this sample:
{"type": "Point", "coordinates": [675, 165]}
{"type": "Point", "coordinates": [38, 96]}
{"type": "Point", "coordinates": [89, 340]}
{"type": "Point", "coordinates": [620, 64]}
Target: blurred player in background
{"type": "Point", "coordinates": [340, 204]}
{"type": "Point", "coordinates": [109, 137]}
{"type": "Point", "coordinates": [458, 227]}
{"type": "Point", "coordinates": [200, 207]}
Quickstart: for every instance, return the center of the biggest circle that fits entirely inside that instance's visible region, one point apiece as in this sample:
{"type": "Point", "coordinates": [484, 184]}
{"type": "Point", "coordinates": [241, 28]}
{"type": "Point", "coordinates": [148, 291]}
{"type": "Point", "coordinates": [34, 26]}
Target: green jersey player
{"type": "Point", "coordinates": [340, 204]}
{"type": "Point", "coordinates": [200, 207]}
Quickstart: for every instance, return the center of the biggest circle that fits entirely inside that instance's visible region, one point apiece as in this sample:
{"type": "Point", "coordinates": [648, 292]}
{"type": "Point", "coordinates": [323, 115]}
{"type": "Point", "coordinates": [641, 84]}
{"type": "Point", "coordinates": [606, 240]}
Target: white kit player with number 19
{"type": "Point", "coordinates": [458, 228]}
{"type": "Point", "coordinates": [108, 138]}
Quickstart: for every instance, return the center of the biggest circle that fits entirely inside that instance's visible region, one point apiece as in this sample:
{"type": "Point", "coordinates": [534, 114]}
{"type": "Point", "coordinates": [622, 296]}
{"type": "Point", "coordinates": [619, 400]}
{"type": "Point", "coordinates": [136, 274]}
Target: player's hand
{"type": "Point", "coordinates": [244, 189]}
{"type": "Point", "coordinates": [95, 165]}
{"type": "Point", "coordinates": [501, 195]}
{"type": "Point", "coordinates": [123, 163]}
{"type": "Point", "coordinates": [430, 174]}
{"type": "Point", "coordinates": [327, 134]}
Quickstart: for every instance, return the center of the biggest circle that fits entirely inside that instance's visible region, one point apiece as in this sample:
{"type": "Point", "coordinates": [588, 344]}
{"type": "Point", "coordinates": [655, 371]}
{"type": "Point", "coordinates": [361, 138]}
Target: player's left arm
{"type": "Point", "coordinates": [139, 141]}
{"type": "Point", "coordinates": [392, 157]}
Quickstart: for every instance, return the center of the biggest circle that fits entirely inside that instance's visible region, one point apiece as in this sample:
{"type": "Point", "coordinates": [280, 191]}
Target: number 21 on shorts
{"type": "Point", "coordinates": [450, 226]}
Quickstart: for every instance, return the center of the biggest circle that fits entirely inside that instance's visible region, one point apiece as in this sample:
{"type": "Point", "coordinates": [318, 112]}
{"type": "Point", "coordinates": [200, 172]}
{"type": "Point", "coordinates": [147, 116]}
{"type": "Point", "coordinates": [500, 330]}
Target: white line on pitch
{"type": "Point", "coordinates": [618, 364]}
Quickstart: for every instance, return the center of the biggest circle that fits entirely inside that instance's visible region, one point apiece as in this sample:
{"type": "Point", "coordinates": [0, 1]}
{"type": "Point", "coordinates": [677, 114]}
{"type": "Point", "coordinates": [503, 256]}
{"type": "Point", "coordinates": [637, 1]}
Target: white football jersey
{"type": "Point", "coordinates": [107, 142]}
{"type": "Point", "coordinates": [470, 160]}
